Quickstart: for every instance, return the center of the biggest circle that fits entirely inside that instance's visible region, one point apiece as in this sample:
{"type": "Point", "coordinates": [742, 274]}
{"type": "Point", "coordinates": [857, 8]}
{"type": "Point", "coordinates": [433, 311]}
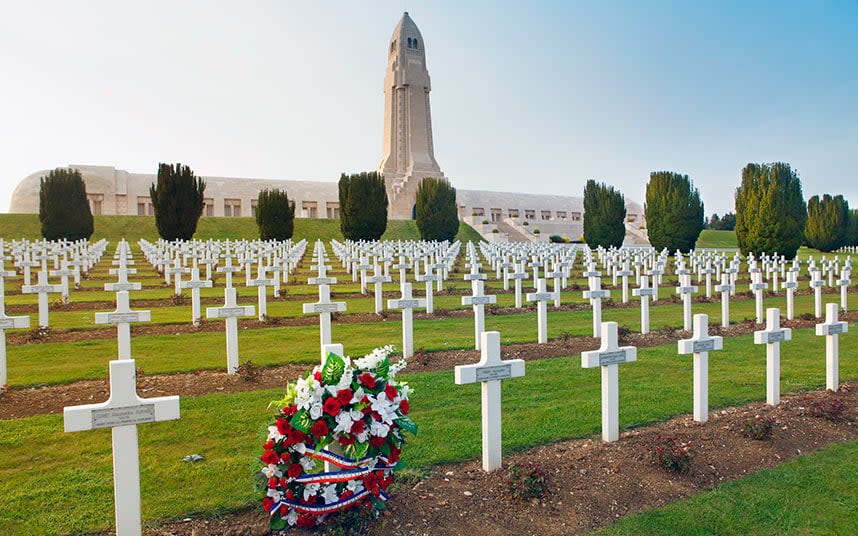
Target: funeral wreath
{"type": "Point", "coordinates": [351, 414]}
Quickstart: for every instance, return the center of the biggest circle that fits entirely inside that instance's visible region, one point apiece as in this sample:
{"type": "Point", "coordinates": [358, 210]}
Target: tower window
{"type": "Point", "coordinates": [409, 42]}
{"type": "Point", "coordinates": [414, 43]}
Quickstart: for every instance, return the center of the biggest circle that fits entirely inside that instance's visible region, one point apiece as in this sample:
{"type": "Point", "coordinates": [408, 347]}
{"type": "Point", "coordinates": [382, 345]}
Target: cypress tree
{"type": "Point", "coordinates": [852, 229]}
{"type": "Point", "coordinates": [770, 210]}
{"type": "Point", "coordinates": [177, 199]}
{"type": "Point", "coordinates": [275, 215]}
{"type": "Point", "coordinates": [437, 215]}
{"type": "Point", "coordinates": [674, 211]}
{"type": "Point", "coordinates": [64, 211]}
{"type": "Point", "coordinates": [827, 226]}
{"type": "Point", "coordinates": [363, 206]}
{"type": "Point", "coordinates": [604, 215]}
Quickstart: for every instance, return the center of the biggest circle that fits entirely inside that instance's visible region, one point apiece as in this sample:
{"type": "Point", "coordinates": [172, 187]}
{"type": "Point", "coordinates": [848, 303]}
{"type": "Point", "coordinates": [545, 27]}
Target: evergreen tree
{"type": "Point", "coordinates": [437, 215]}
{"type": "Point", "coordinates": [770, 210]}
{"type": "Point", "coordinates": [275, 215]}
{"type": "Point", "coordinates": [177, 199]}
{"type": "Point", "coordinates": [827, 224]}
{"type": "Point", "coordinates": [604, 215]}
{"type": "Point", "coordinates": [363, 206]}
{"type": "Point", "coordinates": [64, 211]}
{"type": "Point", "coordinates": [728, 222]}
{"type": "Point", "coordinates": [852, 232]}
{"type": "Point", "coordinates": [674, 211]}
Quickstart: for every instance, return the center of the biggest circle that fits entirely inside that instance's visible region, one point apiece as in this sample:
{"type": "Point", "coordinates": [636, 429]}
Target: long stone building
{"type": "Point", "coordinates": [408, 156]}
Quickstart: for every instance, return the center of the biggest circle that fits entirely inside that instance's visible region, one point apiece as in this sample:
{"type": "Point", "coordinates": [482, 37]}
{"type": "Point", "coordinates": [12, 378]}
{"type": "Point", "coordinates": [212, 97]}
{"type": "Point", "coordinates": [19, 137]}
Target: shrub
{"type": "Point", "coordinates": [363, 206]}
{"type": "Point", "coordinates": [485, 222]}
{"type": "Point", "coordinates": [435, 211]}
{"type": "Point", "coordinates": [525, 222]}
{"type": "Point", "coordinates": [827, 407]}
{"type": "Point", "coordinates": [495, 231]}
{"type": "Point", "coordinates": [556, 239]}
{"type": "Point", "coordinates": [770, 210]}
{"type": "Point", "coordinates": [275, 215]}
{"type": "Point", "coordinates": [722, 223]}
{"type": "Point", "coordinates": [63, 208]}
{"type": "Point", "coordinates": [249, 371]}
{"type": "Point", "coordinates": [177, 199]}
{"type": "Point", "coordinates": [827, 224]}
{"type": "Point", "coordinates": [672, 454]}
{"type": "Point", "coordinates": [604, 215]}
{"type": "Point", "coordinates": [536, 231]}
{"type": "Point", "coordinates": [527, 481]}
{"type": "Point", "coordinates": [760, 427]}
{"type": "Point", "coordinates": [674, 211]}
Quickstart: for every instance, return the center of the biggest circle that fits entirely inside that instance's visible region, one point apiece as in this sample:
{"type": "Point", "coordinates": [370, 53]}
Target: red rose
{"type": "Point", "coordinates": [318, 376]}
{"type": "Point", "coordinates": [270, 457]}
{"type": "Point", "coordinates": [344, 397]}
{"type": "Point", "coordinates": [268, 444]}
{"type": "Point", "coordinates": [286, 457]}
{"type": "Point", "coordinates": [346, 440]}
{"type": "Point", "coordinates": [331, 406]}
{"type": "Point", "coordinates": [272, 482]}
{"type": "Point", "coordinates": [290, 410]}
{"type": "Point", "coordinates": [346, 494]}
{"type": "Point", "coordinates": [377, 441]}
{"type": "Point", "coordinates": [404, 407]}
{"type": "Point", "coordinates": [295, 470]}
{"type": "Point", "coordinates": [390, 391]}
{"type": "Point", "coordinates": [290, 495]}
{"type": "Point", "coordinates": [394, 454]}
{"type": "Point", "coordinates": [267, 503]}
{"type": "Point", "coordinates": [284, 510]}
{"type": "Point", "coordinates": [367, 379]}
{"type": "Point", "coordinates": [358, 427]}
{"type": "Point", "coordinates": [306, 521]}
{"type": "Point", "coordinates": [283, 426]}
{"type": "Point", "coordinates": [296, 436]}
{"type": "Point", "coordinates": [284, 484]}
{"type": "Point", "coordinates": [319, 429]}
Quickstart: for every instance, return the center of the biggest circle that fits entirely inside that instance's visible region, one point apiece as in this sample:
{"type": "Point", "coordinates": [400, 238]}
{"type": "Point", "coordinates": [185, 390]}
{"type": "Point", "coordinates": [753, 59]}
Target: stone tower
{"type": "Point", "coordinates": [408, 155]}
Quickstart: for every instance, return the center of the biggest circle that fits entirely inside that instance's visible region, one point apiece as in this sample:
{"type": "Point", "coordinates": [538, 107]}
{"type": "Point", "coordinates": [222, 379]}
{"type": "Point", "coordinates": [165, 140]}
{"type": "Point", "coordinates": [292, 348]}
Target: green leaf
{"type": "Point", "coordinates": [378, 503]}
{"type": "Point", "coordinates": [277, 523]}
{"type": "Point", "coordinates": [383, 369]}
{"type": "Point", "coordinates": [357, 450]}
{"type": "Point", "coordinates": [333, 369]}
{"type": "Point", "coordinates": [407, 424]}
{"type": "Point", "coordinates": [301, 421]}
{"type": "Point", "coordinates": [385, 449]}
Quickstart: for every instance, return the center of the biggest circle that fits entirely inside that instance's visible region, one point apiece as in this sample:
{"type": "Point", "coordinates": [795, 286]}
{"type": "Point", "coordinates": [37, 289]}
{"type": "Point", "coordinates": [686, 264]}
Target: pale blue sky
{"type": "Point", "coordinates": [527, 96]}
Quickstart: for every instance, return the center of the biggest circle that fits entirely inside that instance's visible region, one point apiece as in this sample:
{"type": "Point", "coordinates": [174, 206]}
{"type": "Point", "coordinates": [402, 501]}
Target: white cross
{"type": "Point", "coordinates": [122, 412]}
{"type": "Point", "coordinates": [363, 267]}
{"type": "Point", "coordinates": [490, 371]}
{"type": "Point", "coordinates": [700, 344]}
{"type": "Point", "coordinates": [608, 357]}
{"type": "Point", "coordinates": [42, 289]}
{"type": "Point", "coordinates": [322, 278]}
{"type": "Point", "coordinates": [7, 322]}
{"type": "Point", "coordinates": [428, 279]}
{"type": "Point", "coordinates": [556, 275]}
{"type": "Point", "coordinates": [686, 289]}
{"type": "Point", "coordinates": [122, 284]}
{"type": "Point", "coordinates": [324, 307]}
{"type": "Point", "coordinates": [708, 271]}
{"type": "Point", "coordinates": [596, 294]}
{"type": "Point", "coordinates": [122, 317]}
{"type": "Point", "coordinates": [772, 337]}
{"type": "Point", "coordinates": [625, 273]}
{"type": "Point", "coordinates": [726, 289]}
{"type": "Point", "coordinates": [195, 284]}
{"type": "Point", "coordinates": [231, 311]}
{"type": "Point", "coordinates": [541, 297]}
{"type": "Point", "coordinates": [478, 300]}
{"type": "Point", "coordinates": [176, 271]}
{"type": "Point", "coordinates": [518, 276]}
{"type": "Point", "coordinates": [645, 292]}
{"type": "Point", "coordinates": [656, 274]}
{"type": "Point", "coordinates": [407, 304]}
{"type": "Point", "coordinates": [64, 273]}
{"type": "Point", "coordinates": [228, 269]}
{"type": "Point", "coordinates": [791, 284]}
{"type": "Point", "coordinates": [377, 279]}
{"type": "Point", "coordinates": [261, 298]}
{"type": "Point", "coordinates": [831, 329]}
{"type": "Point", "coordinates": [844, 282]}
{"type": "Point", "coordinates": [816, 282]}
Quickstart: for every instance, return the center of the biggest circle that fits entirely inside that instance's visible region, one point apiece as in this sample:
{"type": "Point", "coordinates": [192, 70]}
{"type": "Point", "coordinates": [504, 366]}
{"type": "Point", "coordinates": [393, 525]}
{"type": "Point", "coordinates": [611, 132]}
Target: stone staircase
{"type": "Point", "coordinates": [512, 234]}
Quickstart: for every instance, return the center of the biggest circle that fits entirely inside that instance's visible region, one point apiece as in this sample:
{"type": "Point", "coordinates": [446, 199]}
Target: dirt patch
{"type": "Point", "coordinates": [590, 483]}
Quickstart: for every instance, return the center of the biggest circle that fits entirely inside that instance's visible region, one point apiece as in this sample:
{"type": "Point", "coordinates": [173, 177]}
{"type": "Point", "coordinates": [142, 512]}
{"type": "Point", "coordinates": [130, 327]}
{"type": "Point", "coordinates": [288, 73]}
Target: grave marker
{"type": "Point", "coordinates": [700, 344]}
{"type": "Point", "coordinates": [608, 357]}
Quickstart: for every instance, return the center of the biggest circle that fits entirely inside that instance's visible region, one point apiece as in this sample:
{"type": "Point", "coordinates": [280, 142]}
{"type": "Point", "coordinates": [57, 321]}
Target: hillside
{"type": "Point", "coordinates": [717, 239]}
{"type": "Point", "coordinates": [113, 228]}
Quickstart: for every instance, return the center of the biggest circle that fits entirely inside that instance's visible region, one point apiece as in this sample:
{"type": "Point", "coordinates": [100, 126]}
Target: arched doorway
{"type": "Point", "coordinates": [414, 212]}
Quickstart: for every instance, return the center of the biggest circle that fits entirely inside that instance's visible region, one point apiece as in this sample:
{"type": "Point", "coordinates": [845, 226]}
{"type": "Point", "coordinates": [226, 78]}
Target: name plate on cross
{"type": "Point", "coordinates": [118, 318]}
{"type": "Point", "coordinates": [479, 300]}
{"type": "Point", "coordinates": [707, 345]}
{"type": "Point", "coordinates": [123, 416]}
{"type": "Point", "coordinates": [613, 358]}
{"type": "Point", "coordinates": [498, 372]}
{"type": "Point", "coordinates": [227, 312]}
{"type": "Point", "coordinates": [324, 307]}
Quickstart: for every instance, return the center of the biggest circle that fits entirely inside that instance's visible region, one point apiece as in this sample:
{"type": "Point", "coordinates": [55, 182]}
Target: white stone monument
{"type": "Point", "coordinates": [608, 357]}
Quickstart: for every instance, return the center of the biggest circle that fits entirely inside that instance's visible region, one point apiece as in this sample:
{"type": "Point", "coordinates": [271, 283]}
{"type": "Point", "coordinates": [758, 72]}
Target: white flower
{"type": "Point", "coordinates": [310, 490]}
{"type": "Point", "coordinates": [379, 429]}
{"type": "Point", "coordinates": [274, 434]}
{"type": "Point", "coordinates": [405, 390]}
{"type": "Point", "coordinates": [330, 494]}
{"type": "Point", "coordinates": [358, 395]}
{"type": "Point", "coordinates": [271, 471]}
{"type": "Point", "coordinates": [300, 448]}
{"type": "Point", "coordinates": [384, 407]}
{"type": "Point", "coordinates": [307, 463]}
{"type": "Point", "coordinates": [292, 517]}
{"type": "Point", "coordinates": [363, 436]}
{"type": "Point", "coordinates": [355, 486]}
{"type": "Point", "coordinates": [274, 494]}
{"type": "Point", "coordinates": [344, 422]}
{"type": "Point", "coordinates": [315, 411]}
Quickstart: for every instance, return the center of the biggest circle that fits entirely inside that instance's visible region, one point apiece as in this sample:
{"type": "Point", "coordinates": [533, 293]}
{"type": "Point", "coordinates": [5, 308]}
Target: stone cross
{"type": "Point", "coordinates": [63, 273]}
{"type": "Point", "coordinates": [831, 330]}
{"type": "Point", "coordinates": [518, 276]}
{"type": "Point", "coordinates": [700, 344]}
{"type": "Point", "coordinates": [364, 267]}
{"type": "Point", "coordinates": [7, 322]}
{"type": "Point", "coordinates": [726, 289]}
{"type": "Point", "coordinates": [816, 282]}
{"type": "Point", "coordinates": [645, 292]}
{"type": "Point", "coordinates": [231, 312]}
{"type": "Point", "coordinates": [843, 283]}
{"type": "Point", "coordinates": [402, 268]}
{"type": "Point", "coordinates": [686, 289]}
{"type": "Point", "coordinates": [790, 285]}
{"type": "Point", "coordinates": [490, 371]}
{"type": "Point", "coordinates": [608, 357]}
{"type": "Point", "coordinates": [122, 284]}
{"type": "Point", "coordinates": [324, 307]}
{"type": "Point", "coordinates": [596, 294]}
{"type": "Point", "coordinates": [556, 275]}
{"type": "Point", "coordinates": [261, 297]}
{"type": "Point", "coordinates": [42, 289]}
{"type": "Point", "coordinates": [195, 284]}
{"type": "Point", "coordinates": [228, 269]}
{"type": "Point", "coordinates": [122, 318]}
{"type": "Point", "coordinates": [625, 273]}
{"type": "Point", "coordinates": [541, 297]}
{"type": "Point", "coordinates": [479, 301]}
{"type": "Point", "coordinates": [429, 278]}
{"type": "Point", "coordinates": [122, 412]}
{"type": "Point", "coordinates": [377, 279]}
{"type": "Point", "coordinates": [176, 271]}
{"type": "Point", "coordinates": [323, 278]}
{"type": "Point", "coordinates": [772, 337]}
{"type": "Point", "coordinates": [407, 304]}
{"type": "Point", "coordinates": [656, 274]}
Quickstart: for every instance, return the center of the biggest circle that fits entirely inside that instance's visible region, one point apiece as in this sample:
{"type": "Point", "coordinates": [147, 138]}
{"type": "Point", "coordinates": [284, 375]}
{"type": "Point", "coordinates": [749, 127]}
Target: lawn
{"type": "Point", "coordinates": [43, 466]}
{"type": "Point", "coordinates": [716, 239]}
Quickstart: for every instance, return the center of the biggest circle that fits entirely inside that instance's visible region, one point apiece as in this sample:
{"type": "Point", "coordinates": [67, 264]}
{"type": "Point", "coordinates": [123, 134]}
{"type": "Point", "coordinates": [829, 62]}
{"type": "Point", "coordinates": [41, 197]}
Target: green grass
{"type": "Point", "coordinates": [557, 399]}
{"type": "Point", "coordinates": [132, 228]}
{"type": "Point", "coordinates": [815, 494]}
{"type": "Point", "coordinates": [717, 239]}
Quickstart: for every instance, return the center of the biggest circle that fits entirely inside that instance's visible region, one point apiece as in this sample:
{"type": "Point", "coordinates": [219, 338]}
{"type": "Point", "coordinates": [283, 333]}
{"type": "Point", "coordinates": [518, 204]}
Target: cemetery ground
{"type": "Point", "coordinates": [549, 415]}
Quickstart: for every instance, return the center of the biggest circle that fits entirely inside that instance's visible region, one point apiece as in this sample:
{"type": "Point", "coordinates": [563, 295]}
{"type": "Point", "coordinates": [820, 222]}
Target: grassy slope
{"type": "Point", "coordinates": [814, 494]}
{"type": "Point", "coordinates": [134, 227]}
{"type": "Point", "coordinates": [538, 408]}
{"type": "Point", "coordinates": [717, 239]}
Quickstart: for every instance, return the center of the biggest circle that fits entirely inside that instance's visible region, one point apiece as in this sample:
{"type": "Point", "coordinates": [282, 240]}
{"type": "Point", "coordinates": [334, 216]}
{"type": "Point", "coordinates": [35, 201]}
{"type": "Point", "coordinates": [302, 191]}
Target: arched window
{"type": "Point", "coordinates": [415, 43]}
{"type": "Point", "coordinates": [409, 42]}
